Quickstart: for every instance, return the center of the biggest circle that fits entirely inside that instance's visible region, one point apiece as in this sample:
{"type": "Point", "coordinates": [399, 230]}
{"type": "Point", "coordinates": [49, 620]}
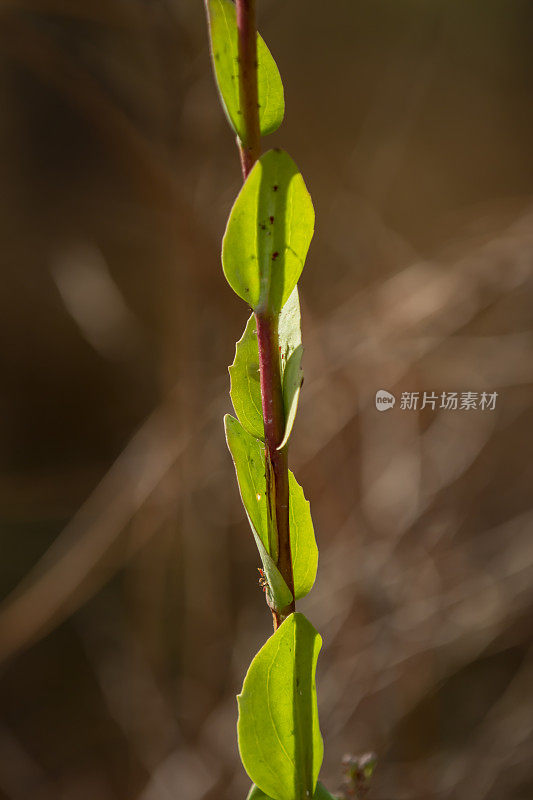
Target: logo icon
{"type": "Point", "coordinates": [384, 400]}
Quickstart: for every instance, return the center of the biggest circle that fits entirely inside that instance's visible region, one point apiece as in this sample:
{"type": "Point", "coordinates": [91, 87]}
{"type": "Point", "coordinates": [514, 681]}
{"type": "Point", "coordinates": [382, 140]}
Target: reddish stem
{"type": "Point", "coordinates": [274, 419]}
{"type": "Point", "coordinates": [267, 327]}
{"type": "Point", "coordinates": [250, 146]}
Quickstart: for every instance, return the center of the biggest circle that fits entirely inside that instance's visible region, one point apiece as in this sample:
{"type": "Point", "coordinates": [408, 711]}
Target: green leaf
{"type": "Point", "coordinates": [304, 551]}
{"type": "Point", "coordinates": [293, 377]}
{"type": "Point", "coordinates": [268, 233]}
{"type": "Point", "coordinates": [289, 327]}
{"type": "Point", "coordinates": [279, 594]}
{"type": "Point", "coordinates": [290, 343]}
{"type": "Point", "coordinates": [225, 54]}
{"type": "Point", "coordinates": [279, 738]}
{"type": "Point", "coordinates": [244, 372]}
{"type": "Point", "coordinates": [245, 389]}
{"type": "Point", "coordinates": [321, 793]}
{"type": "Point", "coordinates": [255, 793]}
{"type": "Point", "coordinates": [248, 457]}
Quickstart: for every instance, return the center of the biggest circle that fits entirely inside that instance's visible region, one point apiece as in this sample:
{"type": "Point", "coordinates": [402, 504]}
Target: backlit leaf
{"type": "Point", "coordinates": [304, 550]}
{"type": "Point", "coordinates": [289, 327]}
{"type": "Point", "coordinates": [244, 372]}
{"type": "Point", "coordinates": [268, 233]}
{"type": "Point", "coordinates": [293, 377]}
{"type": "Point", "coordinates": [248, 457]}
{"type": "Point", "coordinates": [321, 793]}
{"type": "Point", "coordinates": [245, 389]}
{"type": "Point", "coordinates": [225, 53]}
{"type": "Point", "coordinates": [279, 737]}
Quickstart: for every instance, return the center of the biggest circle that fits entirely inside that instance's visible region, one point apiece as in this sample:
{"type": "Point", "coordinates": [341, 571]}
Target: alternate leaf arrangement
{"type": "Point", "coordinates": [263, 253]}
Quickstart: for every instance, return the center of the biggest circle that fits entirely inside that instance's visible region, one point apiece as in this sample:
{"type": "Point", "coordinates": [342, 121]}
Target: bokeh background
{"type": "Point", "coordinates": [130, 607]}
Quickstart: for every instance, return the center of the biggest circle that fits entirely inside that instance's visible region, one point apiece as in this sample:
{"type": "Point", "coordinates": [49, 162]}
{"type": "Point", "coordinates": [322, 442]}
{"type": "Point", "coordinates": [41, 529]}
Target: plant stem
{"type": "Point", "coordinates": [267, 327]}
{"type": "Point", "coordinates": [276, 460]}
{"type": "Point", "coordinates": [250, 147]}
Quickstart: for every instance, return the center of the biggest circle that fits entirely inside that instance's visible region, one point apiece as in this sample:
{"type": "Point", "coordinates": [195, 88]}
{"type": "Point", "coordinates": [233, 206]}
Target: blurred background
{"type": "Point", "coordinates": [130, 606]}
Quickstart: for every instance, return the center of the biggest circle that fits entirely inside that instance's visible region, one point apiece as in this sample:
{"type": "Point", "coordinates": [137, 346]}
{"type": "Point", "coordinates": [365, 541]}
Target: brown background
{"type": "Point", "coordinates": [131, 607]}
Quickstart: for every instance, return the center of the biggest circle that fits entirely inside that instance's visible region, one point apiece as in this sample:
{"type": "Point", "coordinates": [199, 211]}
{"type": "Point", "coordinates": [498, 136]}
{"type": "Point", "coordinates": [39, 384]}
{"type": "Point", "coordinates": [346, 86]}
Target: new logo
{"type": "Point", "coordinates": [384, 400]}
